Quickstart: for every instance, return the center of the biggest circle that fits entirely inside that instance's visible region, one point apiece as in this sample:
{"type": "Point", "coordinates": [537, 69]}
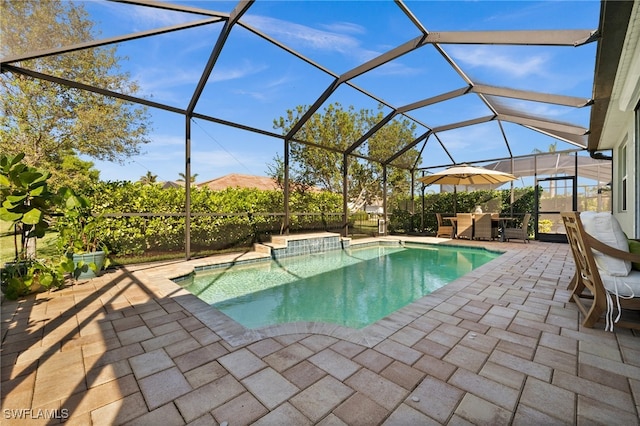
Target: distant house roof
{"type": "Point", "coordinates": [171, 184]}
{"type": "Point", "coordinates": [235, 180]}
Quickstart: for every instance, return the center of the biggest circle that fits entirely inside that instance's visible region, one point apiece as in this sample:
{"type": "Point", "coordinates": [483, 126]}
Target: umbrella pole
{"type": "Point", "coordinates": [455, 198]}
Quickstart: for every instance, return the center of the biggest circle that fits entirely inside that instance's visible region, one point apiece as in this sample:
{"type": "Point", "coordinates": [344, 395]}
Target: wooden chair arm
{"type": "Point", "coordinates": [611, 251]}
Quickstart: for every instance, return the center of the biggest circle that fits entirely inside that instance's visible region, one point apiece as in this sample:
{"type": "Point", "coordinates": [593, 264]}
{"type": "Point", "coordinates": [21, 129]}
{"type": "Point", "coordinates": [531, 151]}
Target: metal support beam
{"type": "Point", "coordinates": [435, 99]}
{"type": "Point", "coordinates": [411, 16]}
{"type": "Point", "coordinates": [453, 64]}
{"type": "Point", "coordinates": [504, 136]}
{"type": "Point", "coordinates": [444, 148]}
{"type": "Point", "coordinates": [412, 189]}
{"type": "Point", "coordinates": [171, 6]}
{"type": "Point", "coordinates": [576, 140]}
{"type": "Point", "coordinates": [371, 132]}
{"type": "Point", "coordinates": [236, 14]}
{"type": "Point", "coordinates": [542, 124]}
{"type": "Point", "coordinates": [384, 198]}
{"type": "Point", "coordinates": [81, 86]}
{"type": "Point", "coordinates": [345, 195]}
{"type": "Point", "coordinates": [187, 188]}
{"type": "Point", "coordinates": [526, 37]}
{"type": "Point", "coordinates": [287, 211]}
{"type": "Point", "coordinates": [410, 145]}
{"type": "Point", "coordinates": [463, 124]}
{"type": "Point", "coordinates": [388, 56]}
{"type": "Point", "coordinates": [316, 105]}
{"type": "Point", "coordinates": [532, 96]}
{"type": "Point", "coordinates": [107, 41]}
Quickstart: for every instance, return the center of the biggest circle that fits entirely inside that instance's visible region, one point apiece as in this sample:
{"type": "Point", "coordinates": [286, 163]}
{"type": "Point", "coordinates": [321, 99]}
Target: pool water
{"type": "Point", "coordinates": [352, 287]}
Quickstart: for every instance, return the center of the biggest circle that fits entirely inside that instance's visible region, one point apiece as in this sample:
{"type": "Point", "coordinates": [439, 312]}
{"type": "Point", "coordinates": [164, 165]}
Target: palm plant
{"type": "Point", "coordinates": [148, 179]}
{"type": "Point", "coordinates": [183, 178]}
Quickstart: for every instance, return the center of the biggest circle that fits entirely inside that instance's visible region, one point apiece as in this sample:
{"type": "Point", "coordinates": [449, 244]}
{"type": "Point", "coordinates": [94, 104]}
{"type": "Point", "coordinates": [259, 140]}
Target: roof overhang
{"type": "Point", "coordinates": [614, 21]}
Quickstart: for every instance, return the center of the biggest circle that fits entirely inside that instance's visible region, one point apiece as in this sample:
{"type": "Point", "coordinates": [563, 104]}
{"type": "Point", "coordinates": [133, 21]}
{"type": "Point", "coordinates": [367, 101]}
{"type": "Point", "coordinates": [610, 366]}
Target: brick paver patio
{"type": "Point", "coordinates": [500, 345]}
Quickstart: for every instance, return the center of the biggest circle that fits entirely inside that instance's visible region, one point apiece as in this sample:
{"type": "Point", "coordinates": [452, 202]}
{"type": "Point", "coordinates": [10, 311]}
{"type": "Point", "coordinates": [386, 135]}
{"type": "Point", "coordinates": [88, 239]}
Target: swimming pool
{"type": "Point", "coordinates": [353, 287]}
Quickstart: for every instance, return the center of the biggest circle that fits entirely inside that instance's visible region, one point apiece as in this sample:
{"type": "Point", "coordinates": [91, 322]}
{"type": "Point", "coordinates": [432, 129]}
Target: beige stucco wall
{"type": "Point", "coordinates": [620, 127]}
{"type": "Point", "coordinates": [626, 218]}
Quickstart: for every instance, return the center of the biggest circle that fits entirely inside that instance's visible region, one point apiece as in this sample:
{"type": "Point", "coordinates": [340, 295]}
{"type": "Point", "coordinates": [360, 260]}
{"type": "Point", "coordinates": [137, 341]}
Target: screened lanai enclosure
{"type": "Point", "coordinates": [504, 85]}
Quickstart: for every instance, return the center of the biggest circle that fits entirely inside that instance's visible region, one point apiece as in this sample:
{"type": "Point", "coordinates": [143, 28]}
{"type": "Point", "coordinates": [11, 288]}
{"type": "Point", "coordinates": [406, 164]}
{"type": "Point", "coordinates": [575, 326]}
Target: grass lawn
{"type": "Point", "coordinates": [46, 246]}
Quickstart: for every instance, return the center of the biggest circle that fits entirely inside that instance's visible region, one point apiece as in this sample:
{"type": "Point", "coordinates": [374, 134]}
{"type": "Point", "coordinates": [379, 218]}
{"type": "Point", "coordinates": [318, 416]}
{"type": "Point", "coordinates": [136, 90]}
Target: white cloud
{"type": "Point", "coordinates": [157, 82]}
{"type": "Point", "coordinates": [477, 138]}
{"type": "Point", "coordinates": [267, 91]}
{"type": "Point", "coordinates": [144, 15]}
{"type": "Point", "coordinates": [503, 60]}
{"type": "Point", "coordinates": [167, 164]}
{"type": "Point", "coordinates": [160, 85]}
{"type": "Point", "coordinates": [160, 140]}
{"type": "Point", "coordinates": [345, 27]}
{"type": "Point", "coordinates": [335, 39]}
{"type": "Point", "coordinates": [243, 69]}
{"type": "Point", "coordinates": [212, 164]}
{"type": "Point", "coordinates": [396, 68]}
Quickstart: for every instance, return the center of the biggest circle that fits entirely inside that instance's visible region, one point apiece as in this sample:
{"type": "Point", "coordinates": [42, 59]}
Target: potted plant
{"type": "Point", "coordinates": [26, 205]}
{"type": "Point", "coordinates": [80, 235]}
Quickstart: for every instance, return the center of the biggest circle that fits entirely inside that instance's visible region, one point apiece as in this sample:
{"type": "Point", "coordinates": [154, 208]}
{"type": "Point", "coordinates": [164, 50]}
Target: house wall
{"type": "Point", "coordinates": [626, 129]}
{"type": "Point", "coordinates": [626, 138]}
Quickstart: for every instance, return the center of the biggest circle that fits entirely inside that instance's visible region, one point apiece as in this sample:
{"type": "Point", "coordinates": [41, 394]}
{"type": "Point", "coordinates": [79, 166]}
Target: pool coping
{"type": "Point", "coordinates": [159, 280]}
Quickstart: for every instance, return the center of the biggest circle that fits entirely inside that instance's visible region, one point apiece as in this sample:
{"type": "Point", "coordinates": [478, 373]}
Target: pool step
{"type": "Point", "coordinates": [297, 244]}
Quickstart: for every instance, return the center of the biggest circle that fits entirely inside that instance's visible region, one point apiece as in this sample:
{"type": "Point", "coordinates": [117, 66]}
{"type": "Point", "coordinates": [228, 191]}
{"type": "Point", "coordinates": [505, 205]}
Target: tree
{"type": "Point", "coordinates": [148, 179]}
{"type": "Point", "coordinates": [50, 122]}
{"type": "Point", "coordinates": [552, 148]}
{"type": "Point", "coordinates": [183, 178]}
{"type": "Point", "coordinates": [338, 129]}
{"type": "Point", "coordinates": [78, 173]}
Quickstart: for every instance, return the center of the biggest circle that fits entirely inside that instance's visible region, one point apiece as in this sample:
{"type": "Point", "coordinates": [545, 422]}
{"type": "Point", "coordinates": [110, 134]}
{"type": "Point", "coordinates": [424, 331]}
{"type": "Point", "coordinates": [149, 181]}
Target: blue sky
{"type": "Point", "coordinates": [254, 82]}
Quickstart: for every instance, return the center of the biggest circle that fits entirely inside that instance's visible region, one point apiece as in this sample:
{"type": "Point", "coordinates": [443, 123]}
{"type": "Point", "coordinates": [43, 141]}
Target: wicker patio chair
{"type": "Point", "coordinates": [444, 230]}
{"type": "Point", "coordinates": [464, 225]}
{"type": "Point", "coordinates": [495, 225]}
{"type": "Point", "coordinates": [482, 226]}
{"type": "Point", "coordinates": [519, 233]}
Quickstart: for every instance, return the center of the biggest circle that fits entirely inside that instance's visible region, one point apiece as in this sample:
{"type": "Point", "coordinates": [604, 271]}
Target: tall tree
{"type": "Point", "coordinates": [149, 178]}
{"type": "Point", "coordinates": [49, 122]}
{"type": "Point", "coordinates": [183, 178]}
{"type": "Point", "coordinates": [337, 129]}
{"type": "Point", "coordinates": [77, 173]}
{"type": "Point", "coordinates": [552, 148]}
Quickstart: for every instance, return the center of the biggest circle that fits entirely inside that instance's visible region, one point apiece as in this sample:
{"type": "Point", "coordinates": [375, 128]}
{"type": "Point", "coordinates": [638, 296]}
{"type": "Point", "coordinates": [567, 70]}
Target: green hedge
{"type": "Point", "coordinates": [491, 201]}
{"type": "Point", "coordinates": [240, 215]}
{"type": "Point", "coordinates": [220, 219]}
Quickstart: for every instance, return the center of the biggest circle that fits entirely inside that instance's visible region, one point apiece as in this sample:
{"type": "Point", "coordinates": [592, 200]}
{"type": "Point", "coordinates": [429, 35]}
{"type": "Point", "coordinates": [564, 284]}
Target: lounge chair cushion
{"type": "Point", "coordinates": [634, 247]}
{"type": "Point", "coordinates": [605, 227]}
{"type": "Point", "coordinates": [628, 286]}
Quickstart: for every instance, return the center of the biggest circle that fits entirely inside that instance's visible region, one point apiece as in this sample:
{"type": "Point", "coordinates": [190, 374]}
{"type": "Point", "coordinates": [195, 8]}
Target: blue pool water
{"type": "Point", "coordinates": [352, 287]}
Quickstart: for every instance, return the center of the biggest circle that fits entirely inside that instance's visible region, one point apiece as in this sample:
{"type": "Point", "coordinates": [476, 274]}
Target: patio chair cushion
{"type": "Point", "coordinates": [628, 286]}
{"type": "Point", "coordinates": [604, 226]}
{"type": "Point", "coordinates": [634, 247]}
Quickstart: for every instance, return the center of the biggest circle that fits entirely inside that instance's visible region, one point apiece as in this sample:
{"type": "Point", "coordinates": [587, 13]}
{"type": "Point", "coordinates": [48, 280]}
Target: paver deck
{"type": "Point", "coordinates": [501, 345]}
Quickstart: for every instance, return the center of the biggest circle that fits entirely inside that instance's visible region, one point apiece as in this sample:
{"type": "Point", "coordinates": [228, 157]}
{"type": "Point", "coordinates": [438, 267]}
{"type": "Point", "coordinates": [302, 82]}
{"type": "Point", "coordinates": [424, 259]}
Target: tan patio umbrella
{"type": "Point", "coordinates": [465, 174]}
